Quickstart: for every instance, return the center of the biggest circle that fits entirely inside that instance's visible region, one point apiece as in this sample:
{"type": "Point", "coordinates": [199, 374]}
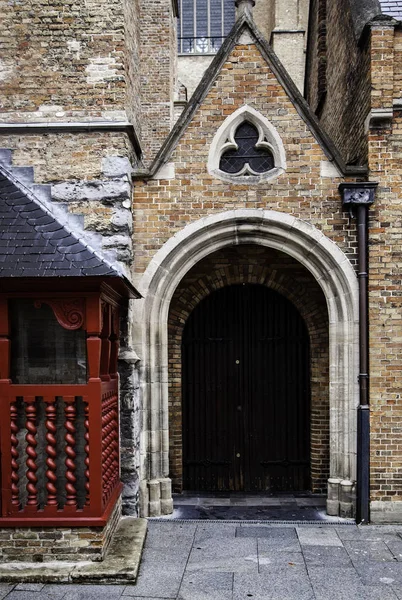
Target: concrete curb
{"type": "Point", "coordinates": [120, 565]}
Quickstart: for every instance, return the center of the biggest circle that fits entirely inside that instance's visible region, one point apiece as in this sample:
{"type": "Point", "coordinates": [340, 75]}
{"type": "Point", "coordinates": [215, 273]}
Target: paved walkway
{"type": "Point", "coordinates": [239, 561]}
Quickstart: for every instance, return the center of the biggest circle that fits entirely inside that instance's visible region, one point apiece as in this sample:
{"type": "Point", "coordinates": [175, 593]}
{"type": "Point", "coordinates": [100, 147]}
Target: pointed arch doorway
{"type": "Point", "coordinates": [246, 393]}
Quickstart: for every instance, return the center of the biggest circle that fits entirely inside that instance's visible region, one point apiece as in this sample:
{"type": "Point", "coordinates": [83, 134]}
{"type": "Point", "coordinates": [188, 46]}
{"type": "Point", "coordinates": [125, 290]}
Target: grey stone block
{"type": "Point", "coordinates": [6, 157]}
{"type": "Point", "coordinates": [368, 532]}
{"type": "Point", "coordinates": [344, 584]}
{"type": "Point", "coordinates": [330, 556]}
{"type": "Point", "coordinates": [289, 584]}
{"type": "Point", "coordinates": [115, 166]}
{"type": "Point", "coordinates": [279, 543]}
{"type": "Point", "coordinates": [282, 560]}
{"type": "Point", "coordinates": [217, 555]}
{"type": "Point", "coordinates": [211, 531]}
{"type": "Point", "coordinates": [5, 588]}
{"type": "Point", "coordinates": [368, 550]}
{"type": "Point", "coordinates": [272, 533]}
{"type": "Point", "coordinates": [379, 573]}
{"type": "Point", "coordinates": [156, 584]}
{"type": "Point", "coordinates": [29, 587]}
{"type": "Point", "coordinates": [206, 586]}
{"type": "Point", "coordinates": [396, 548]}
{"type": "Point", "coordinates": [83, 592]}
{"type": "Point", "coordinates": [318, 536]}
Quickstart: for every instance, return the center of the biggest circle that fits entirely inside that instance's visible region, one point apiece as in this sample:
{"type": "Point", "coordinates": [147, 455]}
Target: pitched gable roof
{"type": "Point", "coordinates": [34, 244]}
{"type": "Point", "coordinates": [245, 24]}
{"type": "Point", "coordinates": [364, 11]}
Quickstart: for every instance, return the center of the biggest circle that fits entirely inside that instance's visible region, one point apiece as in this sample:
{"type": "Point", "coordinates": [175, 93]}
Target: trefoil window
{"type": "Point", "coordinates": [246, 148]}
{"type": "Point", "coordinates": [247, 154]}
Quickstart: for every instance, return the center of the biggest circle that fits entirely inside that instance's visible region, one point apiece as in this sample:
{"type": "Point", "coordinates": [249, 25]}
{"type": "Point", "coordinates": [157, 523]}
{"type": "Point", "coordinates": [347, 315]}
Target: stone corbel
{"type": "Point", "coordinates": [129, 356]}
{"type": "Point", "coordinates": [378, 118]}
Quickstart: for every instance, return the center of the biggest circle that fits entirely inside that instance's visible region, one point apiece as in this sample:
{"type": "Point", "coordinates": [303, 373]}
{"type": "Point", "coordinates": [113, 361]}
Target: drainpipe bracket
{"type": "Point", "coordinates": [357, 193]}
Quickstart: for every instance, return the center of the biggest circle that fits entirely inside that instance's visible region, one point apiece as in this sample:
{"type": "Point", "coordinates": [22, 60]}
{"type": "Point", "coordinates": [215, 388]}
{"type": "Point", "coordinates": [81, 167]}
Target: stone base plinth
{"type": "Point", "coordinates": [46, 544]}
{"type": "Point", "coordinates": [156, 497]}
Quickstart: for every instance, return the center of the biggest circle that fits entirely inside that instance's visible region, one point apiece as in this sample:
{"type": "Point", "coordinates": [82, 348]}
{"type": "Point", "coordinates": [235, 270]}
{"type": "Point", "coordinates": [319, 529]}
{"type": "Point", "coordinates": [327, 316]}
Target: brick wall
{"type": "Point", "coordinates": [46, 544]}
{"type": "Point", "coordinates": [385, 319]}
{"type": "Point", "coordinates": [347, 73]}
{"type": "Point", "coordinates": [251, 264]}
{"type": "Point", "coordinates": [158, 73]}
{"type": "Point", "coordinates": [164, 206]}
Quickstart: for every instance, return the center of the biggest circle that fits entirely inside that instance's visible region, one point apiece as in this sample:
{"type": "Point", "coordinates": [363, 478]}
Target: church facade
{"type": "Point", "coordinates": [234, 181]}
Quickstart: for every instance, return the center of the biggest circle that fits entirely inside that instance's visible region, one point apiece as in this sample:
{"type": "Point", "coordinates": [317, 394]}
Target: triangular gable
{"type": "Point", "coordinates": [242, 26]}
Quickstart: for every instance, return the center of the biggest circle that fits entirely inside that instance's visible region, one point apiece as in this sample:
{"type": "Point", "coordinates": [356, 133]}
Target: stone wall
{"type": "Point", "coordinates": [63, 60]}
{"type": "Point", "coordinates": [253, 264]}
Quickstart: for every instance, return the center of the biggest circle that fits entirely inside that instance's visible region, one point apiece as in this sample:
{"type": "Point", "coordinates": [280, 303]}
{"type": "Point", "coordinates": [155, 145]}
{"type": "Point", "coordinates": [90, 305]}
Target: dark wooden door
{"type": "Point", "coordinates": [246, 400]}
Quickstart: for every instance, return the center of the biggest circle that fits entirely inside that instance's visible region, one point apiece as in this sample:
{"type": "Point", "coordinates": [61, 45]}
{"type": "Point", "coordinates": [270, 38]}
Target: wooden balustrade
{"type": "Point", "coordinates": [59, 453]}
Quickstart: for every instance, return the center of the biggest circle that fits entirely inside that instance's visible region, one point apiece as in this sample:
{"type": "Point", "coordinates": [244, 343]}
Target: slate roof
{"type": "Point", "coordinates": [34, 244]}
{"type": "Point", "coordinates": [392, 8]}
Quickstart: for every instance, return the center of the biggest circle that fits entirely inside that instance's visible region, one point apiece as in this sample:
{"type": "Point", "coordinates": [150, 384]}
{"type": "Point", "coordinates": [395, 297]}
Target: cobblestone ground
{"type": "Point", "coordinates": [239, 561]}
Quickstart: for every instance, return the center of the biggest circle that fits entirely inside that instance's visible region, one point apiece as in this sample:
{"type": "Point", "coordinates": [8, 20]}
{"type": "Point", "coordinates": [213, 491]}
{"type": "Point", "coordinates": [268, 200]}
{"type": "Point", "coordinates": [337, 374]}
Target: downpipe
{"type": "Point", "coordinates": [358, 197]}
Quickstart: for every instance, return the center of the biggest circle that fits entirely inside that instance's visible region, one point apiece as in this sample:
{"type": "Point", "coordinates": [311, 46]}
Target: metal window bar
{"type": "Point", "coordinates": [197, 43]}
{"type": "Point", "coordinates": [201, 45]}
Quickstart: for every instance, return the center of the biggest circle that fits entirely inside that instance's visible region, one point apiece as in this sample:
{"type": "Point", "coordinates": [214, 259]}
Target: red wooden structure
{"type": "Point", "coordinates": [60, 442]}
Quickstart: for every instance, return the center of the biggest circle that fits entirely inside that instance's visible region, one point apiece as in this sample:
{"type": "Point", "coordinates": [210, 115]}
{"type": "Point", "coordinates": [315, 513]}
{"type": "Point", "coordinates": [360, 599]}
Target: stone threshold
{"type": "Point", "coordinates": [120, 565]}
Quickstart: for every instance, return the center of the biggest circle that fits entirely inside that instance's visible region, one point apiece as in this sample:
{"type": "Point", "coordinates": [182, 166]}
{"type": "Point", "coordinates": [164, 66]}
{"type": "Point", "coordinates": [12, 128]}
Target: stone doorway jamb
{"type": "Point", "coordinates": [335, 275]}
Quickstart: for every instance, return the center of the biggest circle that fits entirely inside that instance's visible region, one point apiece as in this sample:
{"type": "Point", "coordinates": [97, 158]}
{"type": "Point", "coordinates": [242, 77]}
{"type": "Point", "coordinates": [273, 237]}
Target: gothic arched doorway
{"type": "Point", "coordinates": [246, 393]}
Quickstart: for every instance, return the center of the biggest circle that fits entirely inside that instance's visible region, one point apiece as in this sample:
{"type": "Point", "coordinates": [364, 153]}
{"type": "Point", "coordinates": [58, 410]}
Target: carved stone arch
{"type": "Point", "coordinates": [268, 137]}
{"type": "Point", "coordinates": [332, 271]}
{"type": "Point", "coordinates": [243, 264]}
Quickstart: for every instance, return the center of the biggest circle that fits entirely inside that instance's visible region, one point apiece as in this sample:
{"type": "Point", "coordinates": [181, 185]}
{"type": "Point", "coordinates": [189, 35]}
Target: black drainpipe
{"type": "Point", "coordinates": [357, 197]}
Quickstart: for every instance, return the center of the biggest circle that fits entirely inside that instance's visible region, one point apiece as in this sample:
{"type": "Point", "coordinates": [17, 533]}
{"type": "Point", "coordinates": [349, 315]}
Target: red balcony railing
{"type": "Point", "coordinates": [59, 453]}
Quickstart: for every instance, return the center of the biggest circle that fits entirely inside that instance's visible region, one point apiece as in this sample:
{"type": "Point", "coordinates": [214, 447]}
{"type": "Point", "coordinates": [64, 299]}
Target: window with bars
{"type": "Point", "coordinates": [203, 25]}
{"type": "Point", "coordinates": [249, 157]}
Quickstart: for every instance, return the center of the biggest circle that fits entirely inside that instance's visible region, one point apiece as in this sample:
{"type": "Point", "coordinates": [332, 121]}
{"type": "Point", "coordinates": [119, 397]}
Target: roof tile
{"type": "Point", "coordinates": [34, 244]}
{"type": "Point", "coordinates": [392, 8]}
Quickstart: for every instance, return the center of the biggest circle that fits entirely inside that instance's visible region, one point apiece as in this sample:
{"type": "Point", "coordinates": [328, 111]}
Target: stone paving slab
{"type": "Point", "coordinates": [338, 583]}
{"type": "Point", "coordinates": [368, 550]}
{"type": "Point", "coordinates": [318, 536]}
{"type": "Point", "coordinates": [287, 584]}
{"type": "Point", "coordinates": [321, 556]}
{"type": "Point", "coordinates": [206, 586]}
{"type": "Point", "coordinates": [240, 555]}
{"type": "Point", "coordinates": [237, 561]}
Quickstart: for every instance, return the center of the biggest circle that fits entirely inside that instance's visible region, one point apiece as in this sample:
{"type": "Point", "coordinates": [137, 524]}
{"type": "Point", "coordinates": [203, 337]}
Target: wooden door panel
{"type": "Point", "coordinates": [246, 393]}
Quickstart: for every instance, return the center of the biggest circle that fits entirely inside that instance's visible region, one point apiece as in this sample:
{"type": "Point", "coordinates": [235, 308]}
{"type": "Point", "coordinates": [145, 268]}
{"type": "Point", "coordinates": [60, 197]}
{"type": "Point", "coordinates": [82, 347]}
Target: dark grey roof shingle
{"type": "Point", "coordinates": [392, 8]}
{"type": "Point", "coordinates": [34, 244]}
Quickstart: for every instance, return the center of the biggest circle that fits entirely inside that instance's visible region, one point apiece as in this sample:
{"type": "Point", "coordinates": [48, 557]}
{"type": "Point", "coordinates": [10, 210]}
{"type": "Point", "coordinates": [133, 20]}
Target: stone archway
{"type": "Point", "coordinates": [280, 231]}
{"type": "Point", "coordinates": [277, 271]}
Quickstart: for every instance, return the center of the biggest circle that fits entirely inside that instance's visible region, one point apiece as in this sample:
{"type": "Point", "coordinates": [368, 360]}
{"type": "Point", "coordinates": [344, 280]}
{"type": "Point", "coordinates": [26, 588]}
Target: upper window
{"type": "Point", "coordinates": [203, 25]}
{"type": "Point", "coordinates": [247, 155]}
{"type": "Point", "coordinates": [246, 149]}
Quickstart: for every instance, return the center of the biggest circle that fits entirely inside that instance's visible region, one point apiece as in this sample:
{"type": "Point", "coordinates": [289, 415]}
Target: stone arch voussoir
{"type": "Point", "coordinates": [306, 244]}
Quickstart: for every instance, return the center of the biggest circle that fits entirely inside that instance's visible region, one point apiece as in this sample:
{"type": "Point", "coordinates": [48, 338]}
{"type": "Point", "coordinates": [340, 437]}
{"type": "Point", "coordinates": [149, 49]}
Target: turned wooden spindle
{"type": "Point", "coordinates": [32, 467]}
{"type": "Point", "coordinates": [15, 495]}
{"type": "Point", "coordinates": [51, 451]}
{"type": "Point", "coordinates": [86, 450]}
{"type": "Point", "coordinates": [70, 414]}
